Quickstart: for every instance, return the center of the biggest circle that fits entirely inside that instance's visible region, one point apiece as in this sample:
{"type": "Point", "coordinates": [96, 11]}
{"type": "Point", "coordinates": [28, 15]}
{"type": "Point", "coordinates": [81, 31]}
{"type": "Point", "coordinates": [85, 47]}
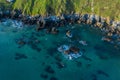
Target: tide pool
{"type": "Point", "coordinates": [38, 58]}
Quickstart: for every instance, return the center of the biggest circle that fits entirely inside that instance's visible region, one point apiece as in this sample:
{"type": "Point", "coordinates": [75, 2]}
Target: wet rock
{"type": "Point", "coordinates": [19, 56]}
{"type": "Point", "coordinates": [69, 34]}
{"type": "Point", "coordinates": [54, 30]}
{"type": "Point", "coordinates": [44, 76]}
{"type": "Point", "coordinates": [102, 73]}
{"type": "Point", "coordinates": [15, 14]}
{"type": "Point", "coordinates": [49, 69]}
{"type": "Point", "coordinates": [106, 39]}
{"type": "Point", "coordinates": [74, 49]}
{"type": "Point", "coordinates": [53, 78]}
{"type": "Point", "coordinates": [9, 1]}
{"type": "Point", "coordinates": [41, 24]}
{"type": "Point", "coordinates": [21, 42]}
{"type": "Point", "coordinates": [85, 17]}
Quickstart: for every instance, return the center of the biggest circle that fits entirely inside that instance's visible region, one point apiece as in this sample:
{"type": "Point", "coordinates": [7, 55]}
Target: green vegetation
{"type": "Point", "coordinates": [106, 8]}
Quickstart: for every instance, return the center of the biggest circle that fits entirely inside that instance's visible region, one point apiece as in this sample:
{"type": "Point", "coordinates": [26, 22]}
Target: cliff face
{"type": "Point", "coordinates": [106, 8]}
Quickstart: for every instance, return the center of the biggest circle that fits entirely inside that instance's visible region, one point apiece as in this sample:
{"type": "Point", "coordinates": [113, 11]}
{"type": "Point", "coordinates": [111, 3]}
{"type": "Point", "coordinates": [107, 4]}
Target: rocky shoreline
{"type": "Point", "coordinates": [110, 28]}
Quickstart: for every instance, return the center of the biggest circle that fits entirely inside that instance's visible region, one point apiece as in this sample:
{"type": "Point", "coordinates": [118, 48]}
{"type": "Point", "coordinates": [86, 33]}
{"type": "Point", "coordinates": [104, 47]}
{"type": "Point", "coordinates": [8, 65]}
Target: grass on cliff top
{"type": "Point", "coordinates": [56, 7]}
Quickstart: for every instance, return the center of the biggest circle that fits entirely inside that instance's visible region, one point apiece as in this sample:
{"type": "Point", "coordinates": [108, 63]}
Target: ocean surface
{"type": "Point", "coordinates": [37, 58]}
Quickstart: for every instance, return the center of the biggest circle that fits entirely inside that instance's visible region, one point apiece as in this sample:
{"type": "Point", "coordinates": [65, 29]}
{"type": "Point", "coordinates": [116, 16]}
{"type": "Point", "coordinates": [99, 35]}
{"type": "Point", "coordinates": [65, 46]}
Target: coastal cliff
{"type": "Point", "coordinates": [105, 8]}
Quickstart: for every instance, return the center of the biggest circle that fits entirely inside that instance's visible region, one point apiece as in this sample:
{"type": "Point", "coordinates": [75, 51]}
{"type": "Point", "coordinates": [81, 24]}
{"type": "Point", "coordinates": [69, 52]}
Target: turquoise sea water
{"type": "Point", "coordinates": [41, 61]}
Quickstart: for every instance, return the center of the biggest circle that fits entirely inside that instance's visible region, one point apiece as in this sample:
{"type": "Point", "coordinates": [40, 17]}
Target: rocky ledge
{"type": "Point", "coordinates": [110, 28]}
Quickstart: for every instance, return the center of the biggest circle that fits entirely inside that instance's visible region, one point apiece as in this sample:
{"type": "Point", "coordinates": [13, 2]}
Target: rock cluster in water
{"type": "Point", "coordinates": [111, 28]}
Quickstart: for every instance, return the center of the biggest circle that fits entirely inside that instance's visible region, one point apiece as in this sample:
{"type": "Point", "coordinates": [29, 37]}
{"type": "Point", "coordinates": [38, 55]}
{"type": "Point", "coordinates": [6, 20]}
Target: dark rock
{"type": "Point", "coordinates": [21, 42]}
{"type": "Point", "coordinates": [54, 30]}
{"type": "Point", "coordinates": [49, 69]}
{"type": "Point", "coordinates": [44, 76]}
{"type": "Point", "coordinates": [74, 49]}
{"type": "Point", "coordinates": [19, 56]}
{"type": "Point", "coordinates": [53, 78]}
{"type": "Point", "coordinates": [41, 25]}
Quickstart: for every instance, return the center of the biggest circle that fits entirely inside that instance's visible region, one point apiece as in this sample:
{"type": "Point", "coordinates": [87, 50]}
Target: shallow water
{"type": "Point", "coordinates": [38, 58]}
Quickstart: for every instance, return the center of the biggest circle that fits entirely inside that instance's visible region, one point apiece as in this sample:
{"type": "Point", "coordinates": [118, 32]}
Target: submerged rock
{"type": "Point", "coordinates": [51, 51]}
{"type": "Point", "coordinates": [35, 47]}
{"type": "Point", "coordinates": [49, 69]}
{"type": "Point", "coordinates": [60, 65]}
{"type": "Point", "coordinates": [79, 64]}
{"type": "Point", "coordinates": [44, 76]}
{"type": "Point", "coordinates": [58, 58]}
{"type": "Point", "coordinates": [86, 58]}
{"type": "Point", "coordinates": [102, 73]}
{"type": "Point", "coordinates": [19, 56]}
{"type": "Point", "coordinates": [94, 77]}
{"type": "Point", "coordinates": [53, 78]}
